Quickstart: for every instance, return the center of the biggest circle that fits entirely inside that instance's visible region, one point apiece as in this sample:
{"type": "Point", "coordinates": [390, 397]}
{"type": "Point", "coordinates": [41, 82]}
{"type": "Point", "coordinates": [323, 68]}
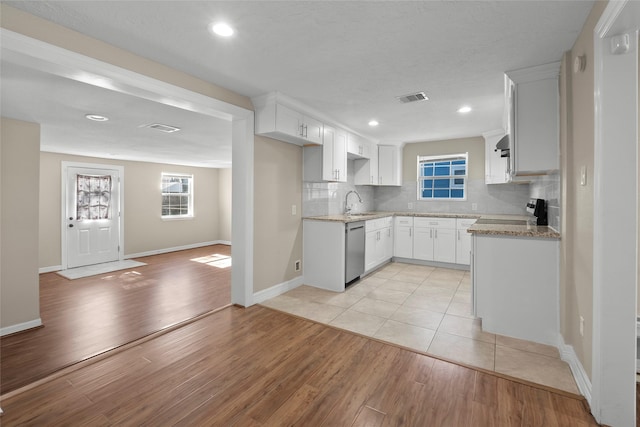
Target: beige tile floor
{"type": "Point", "coordinates": [427, 309]}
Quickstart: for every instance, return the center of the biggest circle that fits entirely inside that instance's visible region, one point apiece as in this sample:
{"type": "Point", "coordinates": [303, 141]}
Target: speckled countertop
{"type": "Point", "coordinates": [484, 229]}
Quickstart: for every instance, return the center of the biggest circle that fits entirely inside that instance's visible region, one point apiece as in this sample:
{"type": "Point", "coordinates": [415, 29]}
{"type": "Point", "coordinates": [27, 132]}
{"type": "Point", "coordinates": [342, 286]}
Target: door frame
{"type": "Point", "coordinates": [65, 165]}
{"type": "Point", "coordinates": [615, 217]}
{"type": "Point", "coordinates": [33, 53]}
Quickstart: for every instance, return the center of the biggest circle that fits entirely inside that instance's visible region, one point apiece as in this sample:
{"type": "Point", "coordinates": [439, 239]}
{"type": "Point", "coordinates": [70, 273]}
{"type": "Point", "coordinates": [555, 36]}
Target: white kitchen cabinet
{"type": "Point", "coordinates": [323, 254]}
{"type": "Point", "coordinates": [496, 168]}
{"type": "Point", "coordinates": [282, 122]}
{"type": "Point", "coordinates": [378, 242]}
{"type": "Point", "coordinates": [434, 239]}
{"type": "Point", "coordinates": [516, 286]}
{"type": "Point", "coordinates": [358, 147]}
{"type": "Point", "coordinates": [389, 165]}
{"type": "Point", "coordinates": [334, 155]}
{"type": "Point", "coordinates": [403, 237]}
{"type": "Point", "coordinates": [463, 241]}
{"type": "Point", "coordinates": [534, 118]}
{"type": "Point", "coordinates": [327, 162]}
{"type": "Point", "coordinates": [366, 171]}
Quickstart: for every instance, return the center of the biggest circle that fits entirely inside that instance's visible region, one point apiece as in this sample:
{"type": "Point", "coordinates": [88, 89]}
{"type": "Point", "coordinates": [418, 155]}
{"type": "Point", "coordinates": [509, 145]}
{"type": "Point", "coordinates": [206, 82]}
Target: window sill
{"type": "Point", "coordinates": [177, 218]}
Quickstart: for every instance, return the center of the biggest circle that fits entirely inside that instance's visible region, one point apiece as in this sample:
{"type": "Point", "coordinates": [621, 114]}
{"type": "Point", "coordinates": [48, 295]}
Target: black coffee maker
{"type": "Point", "coordinates": [539, 209]}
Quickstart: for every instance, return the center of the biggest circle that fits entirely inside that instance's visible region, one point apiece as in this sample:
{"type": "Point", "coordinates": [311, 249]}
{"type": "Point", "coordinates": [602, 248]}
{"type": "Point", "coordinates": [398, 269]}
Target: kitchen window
{"type": "Point", "coordinates": [442, 177]}
{"type": "Point", "coordinates": [177, 196]}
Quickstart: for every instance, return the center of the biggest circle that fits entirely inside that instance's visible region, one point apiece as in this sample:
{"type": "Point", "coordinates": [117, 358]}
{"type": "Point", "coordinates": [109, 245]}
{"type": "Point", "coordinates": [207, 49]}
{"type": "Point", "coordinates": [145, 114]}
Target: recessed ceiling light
{"type": "Point", "coordinates": [96, 117]}
{"type": "Point", "coordinates": [373, 123]}
{"type": "Point", "coordinates": [222, 29]}
{"type": "Point", "coordinates": [464, 109]}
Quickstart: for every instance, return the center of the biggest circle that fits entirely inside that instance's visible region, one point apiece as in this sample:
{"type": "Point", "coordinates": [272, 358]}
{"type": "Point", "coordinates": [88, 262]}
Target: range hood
{"type": "Point", "coordinates": [503, 146]}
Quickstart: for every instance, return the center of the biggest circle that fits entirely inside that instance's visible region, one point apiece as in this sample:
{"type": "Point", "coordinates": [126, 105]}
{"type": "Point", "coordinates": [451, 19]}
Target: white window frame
{"type": "Point", "coordinates": [442, 157]}
{"type": "Point", "coordinates": [190, 211]}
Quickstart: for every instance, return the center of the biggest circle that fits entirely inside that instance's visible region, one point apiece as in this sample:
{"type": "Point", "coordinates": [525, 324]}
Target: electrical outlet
{"type": "Point", "coordinates": [581, 326]}
{"type": "Point", "coordinates": [409, 205]}
{"type": "Point", "coordinates": [296, 265]}
{"type": "Point", "coordinates": [294, 209]}
{"type": "Point", "coordinates": [474, 206]}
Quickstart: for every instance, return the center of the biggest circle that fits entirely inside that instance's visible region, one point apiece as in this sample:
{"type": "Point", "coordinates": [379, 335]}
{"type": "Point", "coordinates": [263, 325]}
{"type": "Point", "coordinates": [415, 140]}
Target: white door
{"type": "Point", "coordinates": [92, 221]}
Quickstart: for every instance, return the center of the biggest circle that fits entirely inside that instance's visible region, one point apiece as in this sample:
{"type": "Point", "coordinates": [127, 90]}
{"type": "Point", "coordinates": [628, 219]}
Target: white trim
{"type": "Point", "coordinates": [36, 54]}
{"type": "Point", "coordinates": [49, 269]}
{"type": "Point", "coordinates": [568, 354]}
{"type": "Point", "coordinates": [177, 248]}
{"type": "Point", "coordinates": [539, 72]}
{"type": "Point", "coordinates": [20, 327]}
{"type": "Point", "coordinates": [64, 167]}
{"type": "Point", "coordinates": [276, 290]}
{"type": "Point", "coordinates": [615, 217]}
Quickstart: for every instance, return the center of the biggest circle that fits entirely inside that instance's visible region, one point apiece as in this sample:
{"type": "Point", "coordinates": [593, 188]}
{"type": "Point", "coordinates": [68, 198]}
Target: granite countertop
{"type": "Point", "coordinates": [527, 230]}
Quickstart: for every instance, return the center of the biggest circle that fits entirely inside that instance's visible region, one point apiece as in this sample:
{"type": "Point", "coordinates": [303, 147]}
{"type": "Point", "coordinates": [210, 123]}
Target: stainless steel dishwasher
{"type": "Point", "coordinates": [354, 251]}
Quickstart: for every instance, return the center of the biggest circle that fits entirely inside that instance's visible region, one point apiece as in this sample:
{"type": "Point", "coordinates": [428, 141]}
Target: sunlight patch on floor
{"type": "Point", "coordinates": [215, 260]}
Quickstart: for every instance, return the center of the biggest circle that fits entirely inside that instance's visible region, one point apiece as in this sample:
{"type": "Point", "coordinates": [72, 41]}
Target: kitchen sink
{"type": "Point", "coordinates": [501, 221]}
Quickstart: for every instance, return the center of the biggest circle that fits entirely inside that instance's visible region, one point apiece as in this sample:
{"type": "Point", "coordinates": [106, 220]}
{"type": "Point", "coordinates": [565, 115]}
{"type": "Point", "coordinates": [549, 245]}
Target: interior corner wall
{"type": "Point", "coordinates": [144, 229]}
{"type": "Point", "coordinates": [224, 203]}
{"type": "Point", "coordinates": [19, 182]}
{"type": "Point", "coordinates": [577, 266]}
{"type": "Point", "coordinates": [277, 233]}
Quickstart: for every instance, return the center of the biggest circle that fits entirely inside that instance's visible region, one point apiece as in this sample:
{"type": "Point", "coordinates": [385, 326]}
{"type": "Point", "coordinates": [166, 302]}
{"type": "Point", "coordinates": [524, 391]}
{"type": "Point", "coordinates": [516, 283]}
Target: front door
{"type": "Point", "coordinates": [92, 222]}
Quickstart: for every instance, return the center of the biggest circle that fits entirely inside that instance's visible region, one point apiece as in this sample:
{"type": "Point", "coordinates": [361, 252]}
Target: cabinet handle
{"type": "Point", "coordinates": [410, 232]}
{"type": "Point", "coordinates": [301, 133]}
{"type": "Point", "coordinates": [436, 233]}
{"type": "Point", "coordinates": [389, 232]}
{"type": "Point", "coordinates": [431, 233]}
{"type": "Point", "coordinates": [306, 129]}
{"type": "Point", "coordinates": [458, 234]}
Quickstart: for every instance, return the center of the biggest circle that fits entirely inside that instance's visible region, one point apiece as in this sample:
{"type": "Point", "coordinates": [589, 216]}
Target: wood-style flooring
{"type": "Point", "coordinates": [88, 316]}
{"type": "Point", "coordinates": [260, 367]}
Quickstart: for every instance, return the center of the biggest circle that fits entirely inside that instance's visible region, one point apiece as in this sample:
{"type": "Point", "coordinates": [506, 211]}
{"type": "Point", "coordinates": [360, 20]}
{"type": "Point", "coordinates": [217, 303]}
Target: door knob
{"type": "Point", "coordinates": [70, 225]}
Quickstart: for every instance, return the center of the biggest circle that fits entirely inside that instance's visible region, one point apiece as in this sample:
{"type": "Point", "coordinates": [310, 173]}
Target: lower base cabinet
{"type": "Point", "coordinates": [516, 286]}
{"type": "Point", "coordinates": [378, 247]}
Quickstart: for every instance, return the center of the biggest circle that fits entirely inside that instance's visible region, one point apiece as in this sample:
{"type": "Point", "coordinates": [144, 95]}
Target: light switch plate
{"type": "Point", "coordinates": [409, 205]}
{"type": "Point", "coordinates": [583, 175]}
{"type": "Point", "coordinates": [294, 209]}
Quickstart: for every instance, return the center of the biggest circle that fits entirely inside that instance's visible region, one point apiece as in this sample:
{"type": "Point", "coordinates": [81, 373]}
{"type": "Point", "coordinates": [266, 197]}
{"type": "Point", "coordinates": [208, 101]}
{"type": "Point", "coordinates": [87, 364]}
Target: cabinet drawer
{"type": "Point", "coordinates": [435, 222]}
{"type": "Point", "coordinates": [404, 221]}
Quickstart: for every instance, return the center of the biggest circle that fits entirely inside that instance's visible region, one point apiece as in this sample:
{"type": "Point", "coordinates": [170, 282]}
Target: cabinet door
{"type": "Point", "coordinates": [340, 155]}
{"type": "Point", "coordinates": [313, 130]}
{"type": "Point", "coordinates": [496, 168]}
{"type": "Point", "coordinates": [328, 142]}
{"type": "Point", "coordinates": [423, 243]}
{"type": "Point", "coordinates": [463, 247]}
{"type": "Point", "coordinates": [370, 245]}
{"type": "Point", "coordinates": [386, 243]}
{"type": "Point", "coordinates": [380, 246]}
{"type": "Point", "coordinates": [388, 168]}
{"type": "Point", "coordinates": [289, 121]}
{"type": "Point", "coordinates": [444, 245]}
{"type": "Point", "coordinates": [403, 237]}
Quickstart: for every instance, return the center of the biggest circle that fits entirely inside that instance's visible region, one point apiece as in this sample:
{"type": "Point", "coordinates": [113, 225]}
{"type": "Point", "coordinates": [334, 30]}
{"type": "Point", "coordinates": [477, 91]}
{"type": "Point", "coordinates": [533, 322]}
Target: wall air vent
{"type": "Point", "coordinates": [163, 128]}
{"type": "Point", "coordinates": [413, 97]}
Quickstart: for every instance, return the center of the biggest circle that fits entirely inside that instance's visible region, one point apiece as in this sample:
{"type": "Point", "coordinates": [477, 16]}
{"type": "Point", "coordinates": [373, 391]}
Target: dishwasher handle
{"type": "Point", "coordinates": [355, 228]}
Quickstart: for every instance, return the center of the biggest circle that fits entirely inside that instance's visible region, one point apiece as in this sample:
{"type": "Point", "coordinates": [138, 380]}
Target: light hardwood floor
{"type": "Point", "coordinates": [260, 367]}
{"type": "Point", "coordinates": [88, 316]}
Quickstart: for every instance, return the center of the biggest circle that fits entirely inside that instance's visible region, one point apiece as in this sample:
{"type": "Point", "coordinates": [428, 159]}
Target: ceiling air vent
{"type": "Point", "coordinates": [413, 97]}
{"type": "Point", "coordinates": [163, 128]}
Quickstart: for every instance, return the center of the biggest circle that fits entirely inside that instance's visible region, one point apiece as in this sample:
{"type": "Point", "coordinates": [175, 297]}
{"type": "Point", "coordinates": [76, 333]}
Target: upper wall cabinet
{"type": "Point", "coordinates": [328, 162]}
{"type": "Point", "coordinates": [286, 123]}
{"type": "Point", "coordinates": [389, 165]}
{"type": "Point", "coordinates": [533, 119]}
{"type": "Point", "coordinates": [358, 147]}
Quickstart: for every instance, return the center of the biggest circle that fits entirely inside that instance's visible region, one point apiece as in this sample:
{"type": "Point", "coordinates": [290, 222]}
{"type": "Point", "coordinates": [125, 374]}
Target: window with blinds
{"type": "Point", "coordinates": [442, 177]}
{"type": "Point", "coordinates": [177, 196]}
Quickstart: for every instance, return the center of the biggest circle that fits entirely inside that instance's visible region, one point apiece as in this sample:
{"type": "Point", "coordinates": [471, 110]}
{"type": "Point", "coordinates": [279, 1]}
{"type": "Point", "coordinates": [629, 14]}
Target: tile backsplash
{"type": "Point", "coordinates": [328, 198]}
{"type": "Point", "coordinates": [548, 187]}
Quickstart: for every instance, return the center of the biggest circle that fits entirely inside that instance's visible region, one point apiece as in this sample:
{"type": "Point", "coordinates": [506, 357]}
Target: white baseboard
{"type": "Point", "coordinates": [20, 327]}
{"type": "Point", "coordinates": [49, 269]}
{"type": "Point", "coordinates": [568, 354]}
{"type": "Point", "coordinates": [276, 290]}
{"type": "Point", "coordinates": [177, 248]}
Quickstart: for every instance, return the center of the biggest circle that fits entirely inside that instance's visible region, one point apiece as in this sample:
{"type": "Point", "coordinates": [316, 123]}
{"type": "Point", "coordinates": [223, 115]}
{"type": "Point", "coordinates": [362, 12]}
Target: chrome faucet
{"type": "Point", "coordinates": [347, 208]}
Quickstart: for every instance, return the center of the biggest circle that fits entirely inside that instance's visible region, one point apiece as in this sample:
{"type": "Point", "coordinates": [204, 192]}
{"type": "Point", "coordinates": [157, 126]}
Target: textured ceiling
{"type": "Point", "coordinates": [347, 59]}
